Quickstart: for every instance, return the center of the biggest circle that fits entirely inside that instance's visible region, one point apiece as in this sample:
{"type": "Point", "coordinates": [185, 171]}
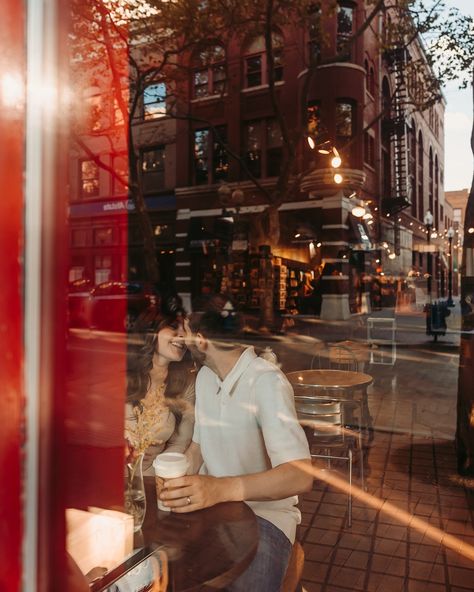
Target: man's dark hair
{"type": "Point", "coordinates": [218, 319]}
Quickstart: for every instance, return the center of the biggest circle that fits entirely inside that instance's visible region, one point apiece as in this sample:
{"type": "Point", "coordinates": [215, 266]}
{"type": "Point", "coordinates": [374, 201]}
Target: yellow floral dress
{"type": "Point", "coordinates": [151, 427]}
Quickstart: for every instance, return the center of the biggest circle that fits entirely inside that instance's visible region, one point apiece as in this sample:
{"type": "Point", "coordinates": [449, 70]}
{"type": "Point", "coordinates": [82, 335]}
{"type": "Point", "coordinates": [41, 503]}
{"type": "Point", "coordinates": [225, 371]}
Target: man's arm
{"type": "Point", "coordinates": [283, 481]}
{"type": "Point", "coordinates": [194, 457]}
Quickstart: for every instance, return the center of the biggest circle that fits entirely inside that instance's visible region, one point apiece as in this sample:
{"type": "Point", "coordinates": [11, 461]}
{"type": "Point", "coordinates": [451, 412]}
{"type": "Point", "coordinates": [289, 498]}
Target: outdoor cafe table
{"type": "Point", "coordinates": [206, 549]}
{"type": "Point", "coordinates": [335, 383]}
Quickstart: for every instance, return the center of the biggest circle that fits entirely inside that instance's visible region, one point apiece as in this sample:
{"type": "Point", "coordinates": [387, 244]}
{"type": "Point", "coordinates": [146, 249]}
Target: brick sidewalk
{"type": "Point", "coordinates": [411, 469]}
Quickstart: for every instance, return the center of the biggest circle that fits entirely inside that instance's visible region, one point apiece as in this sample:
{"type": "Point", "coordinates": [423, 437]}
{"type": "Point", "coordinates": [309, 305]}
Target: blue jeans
{"type": "Point", "coordinates": [268, 567]}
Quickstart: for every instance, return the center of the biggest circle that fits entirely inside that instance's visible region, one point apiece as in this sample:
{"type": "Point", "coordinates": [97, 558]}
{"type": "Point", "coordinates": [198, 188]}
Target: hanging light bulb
{"type": "Point", "coordinates": [392, 256]}
{"type": "Point", "coordinates": [311, 143]}
{"type": "Point", "coordinates": [338, 178]}
{"type": "Point", "coordinates": [367, 216]}
{"type": "Point", "coordinates": [336, 161]}
{"type": "Point", "coordinates": [358, 211]}
{"type": "Point", "coordinates": [325, 147]}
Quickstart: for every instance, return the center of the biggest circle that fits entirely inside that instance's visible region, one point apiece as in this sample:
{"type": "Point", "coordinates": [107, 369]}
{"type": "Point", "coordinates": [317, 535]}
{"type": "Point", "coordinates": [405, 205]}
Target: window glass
{"type": "Point", "coordinates": [313, 116]}
{"type": "Point", "coordinates": [345, 25]}
{"type": "Point", "coordinates": [274, 148]}
{"type": "Point", "coordinates": [201, 155]}
{"type": "Point", "coordinates": [120, 174]}
{"type": "Point", "coordinates": [344, 119]}
{"type": "Point", "coordinates": [154, 101]}
{"type": "Point", "coordinates": [201, 83]}
{"type": "Point", "coordinates": [103, 236]}
{"type": "Point", "coordinates": [254, 70]}
{"type": "Point", "coordinates": [220, 155]}
{"type": "Point", "coordinates": [153, 169]}
{"type": "Point", "coordinates": [210, 78]}
{"type": "Point", "coordinates": [314, 33]}
{"type": "Point", "coordinates": [252, 148]}
{"type": "Point", "coordinates": [89, 178]}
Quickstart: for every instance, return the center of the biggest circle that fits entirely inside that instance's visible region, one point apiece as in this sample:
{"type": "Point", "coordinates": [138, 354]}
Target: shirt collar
{"type": "Point", "coordinates": [227, 386]}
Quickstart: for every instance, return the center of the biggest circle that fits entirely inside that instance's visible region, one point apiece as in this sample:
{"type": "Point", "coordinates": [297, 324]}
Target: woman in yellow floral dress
{"type": "Point", "coordinates": [159, 411]}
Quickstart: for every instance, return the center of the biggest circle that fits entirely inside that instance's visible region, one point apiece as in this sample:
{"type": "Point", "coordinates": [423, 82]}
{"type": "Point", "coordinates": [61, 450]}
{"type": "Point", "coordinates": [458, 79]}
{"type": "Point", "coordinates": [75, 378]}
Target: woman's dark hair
{"type": "Point", "coordinates": [142, 346]}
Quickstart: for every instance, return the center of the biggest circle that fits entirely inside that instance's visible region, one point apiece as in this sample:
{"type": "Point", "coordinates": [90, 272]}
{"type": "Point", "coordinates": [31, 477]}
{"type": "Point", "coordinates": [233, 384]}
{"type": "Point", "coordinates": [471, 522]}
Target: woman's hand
{"type": "Point", "coordinates": [194, 492]}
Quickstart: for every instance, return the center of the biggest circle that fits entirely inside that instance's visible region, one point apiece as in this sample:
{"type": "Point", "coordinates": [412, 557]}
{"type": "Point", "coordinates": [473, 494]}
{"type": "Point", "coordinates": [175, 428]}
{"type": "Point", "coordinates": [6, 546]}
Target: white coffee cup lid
{"type": "Point", "coordinates": [170, 464]}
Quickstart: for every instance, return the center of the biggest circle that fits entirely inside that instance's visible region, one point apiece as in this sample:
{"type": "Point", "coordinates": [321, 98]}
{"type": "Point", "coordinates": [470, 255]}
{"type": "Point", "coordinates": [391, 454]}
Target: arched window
{"type": "Point", "coordinates": [412, 167]}
{"type": "Point", "coordinates": [385, 144]}
{"type": "Point", "coordinates": [436, 193]}
{"type": "Point", "coordinates": [209, 76]}
{"type": "Point", "coordinates": [255, 61]}
{"type": "Point", "coordinates": [421, 172]}
{"type": "Point", "coordinates": [372, 81]}
{"type": "Point", "coordinates": [431, 182]}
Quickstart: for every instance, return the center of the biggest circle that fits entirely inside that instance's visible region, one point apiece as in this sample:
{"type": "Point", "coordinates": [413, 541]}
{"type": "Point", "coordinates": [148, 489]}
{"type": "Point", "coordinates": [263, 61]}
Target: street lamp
{"type": "Point", "coordinates": [450, 234]}
{"type": "Point", "coordinates": [428, 220]}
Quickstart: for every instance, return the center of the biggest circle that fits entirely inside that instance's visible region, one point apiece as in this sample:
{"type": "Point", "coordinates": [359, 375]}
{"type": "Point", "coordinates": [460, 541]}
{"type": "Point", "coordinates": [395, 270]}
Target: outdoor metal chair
{"type": "Point", "coordinates": [334, 357]}
{"type": "Point", "coordinates": [323, 421]}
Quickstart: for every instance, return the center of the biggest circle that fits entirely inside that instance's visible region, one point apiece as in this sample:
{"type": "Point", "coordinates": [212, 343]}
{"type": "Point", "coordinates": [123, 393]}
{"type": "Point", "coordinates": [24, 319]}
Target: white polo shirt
{"type": "Point", "coordinates": [247, 424]}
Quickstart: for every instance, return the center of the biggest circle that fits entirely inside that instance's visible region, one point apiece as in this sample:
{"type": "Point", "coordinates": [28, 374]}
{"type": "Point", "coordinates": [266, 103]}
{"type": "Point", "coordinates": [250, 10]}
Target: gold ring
{"type": "Point", "coordinates": [188, 500]}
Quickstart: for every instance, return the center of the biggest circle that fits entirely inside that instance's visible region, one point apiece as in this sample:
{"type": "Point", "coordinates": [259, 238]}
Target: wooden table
{"type": "Point", "coordinates": [206, 550]}
{"type": "Point", "coordinates": [335, 383]}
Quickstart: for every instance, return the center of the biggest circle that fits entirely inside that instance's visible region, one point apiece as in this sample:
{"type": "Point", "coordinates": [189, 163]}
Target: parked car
{"type": "Point", "coordinates": [116, 305]}
{"type": "Point", "coordinates": [79, 303]}
{"type": "Point", "coordinates": [110, 306]}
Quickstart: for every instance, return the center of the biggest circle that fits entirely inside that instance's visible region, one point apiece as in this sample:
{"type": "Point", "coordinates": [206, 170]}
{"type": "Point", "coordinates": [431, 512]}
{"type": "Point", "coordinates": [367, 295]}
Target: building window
{"type": "Point", "coordinates": [313, 119]}
{"type": "Point", "coordinates": [209, 77]}
{"type": "Point", "coordinates": [153, 169]}
{"type": "Point", "coordinates": [211, 163]}
{"type": "Point", "coordinates": [412, 167]}
{"type": "Point", "coordinates": [263, 147]}
{"type": "Point", "coordinates": [120, 174]}
{"type": "Point", "coordinates": [89, 178]}
{"type": "Point", "coordinates": [369, 78]}
{"type": "Point", "coordinates": [103, 269]}
{"type": "Point", "coordinates": [345, 120]}
{"type": "Point", "coordinates": [154, 101]}
{"type": "Point", "coordinates": [436, 192]}
{"type": "Point", "coordinates": [421, 190]}
{"type": "Point", "coordinates": [431, 183]}
{"type": "Point", "coordinates": [369, 149]}
{"type": "Point", "coordinates": [314, 33]}
{"type": "Point", "coordinates": [345, 27]}
{"type": "Point", "coordinates": [103, 236]}
{"type": "Point", "coordinates": [255, 64]}
{"type": "Point", "coordinates": [79, 237]}
{"type": "Point", "coordinates": [94, 113]}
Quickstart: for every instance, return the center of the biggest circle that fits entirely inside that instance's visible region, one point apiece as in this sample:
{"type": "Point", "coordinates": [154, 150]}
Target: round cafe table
{"type": "Point", "coordinates": [335, 383]}
{"type": "Point", "coordinates": [206, 549]}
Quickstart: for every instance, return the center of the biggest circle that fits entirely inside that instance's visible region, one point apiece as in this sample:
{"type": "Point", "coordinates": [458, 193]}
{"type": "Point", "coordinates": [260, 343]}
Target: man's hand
{"type": "Point", "coordinates": [194, 492]}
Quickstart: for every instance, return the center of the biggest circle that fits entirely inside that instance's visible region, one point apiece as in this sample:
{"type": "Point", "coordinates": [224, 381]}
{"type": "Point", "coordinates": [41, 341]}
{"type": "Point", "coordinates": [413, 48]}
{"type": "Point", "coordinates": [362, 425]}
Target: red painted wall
{"type": "Point", "coordinates": [12, 60]}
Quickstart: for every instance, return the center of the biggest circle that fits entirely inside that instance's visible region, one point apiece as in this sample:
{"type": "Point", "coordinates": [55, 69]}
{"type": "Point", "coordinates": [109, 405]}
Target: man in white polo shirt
{"type": "Point", "coordinates": [247, 444]}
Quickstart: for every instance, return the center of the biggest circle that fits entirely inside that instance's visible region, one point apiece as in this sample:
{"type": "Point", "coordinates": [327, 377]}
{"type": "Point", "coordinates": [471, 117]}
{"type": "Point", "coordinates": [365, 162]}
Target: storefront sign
{"type": "Point", "coordinates": [103, 208]}
{"type": "Point", "coordinates": [240, 245]}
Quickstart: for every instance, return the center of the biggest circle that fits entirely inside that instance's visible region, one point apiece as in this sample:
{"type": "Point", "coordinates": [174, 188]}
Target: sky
{"type": "Point", "coordinates": [458, 124]}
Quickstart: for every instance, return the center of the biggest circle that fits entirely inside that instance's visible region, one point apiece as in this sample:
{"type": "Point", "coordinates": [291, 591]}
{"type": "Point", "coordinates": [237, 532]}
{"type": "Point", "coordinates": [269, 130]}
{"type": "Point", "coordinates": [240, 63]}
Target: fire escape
{"type": "Point", "coordinates": [396, 126]}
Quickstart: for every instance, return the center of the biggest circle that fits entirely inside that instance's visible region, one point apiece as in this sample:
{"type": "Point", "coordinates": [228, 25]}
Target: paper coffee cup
{"type": "Point", "coordinates": [168, 465]}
